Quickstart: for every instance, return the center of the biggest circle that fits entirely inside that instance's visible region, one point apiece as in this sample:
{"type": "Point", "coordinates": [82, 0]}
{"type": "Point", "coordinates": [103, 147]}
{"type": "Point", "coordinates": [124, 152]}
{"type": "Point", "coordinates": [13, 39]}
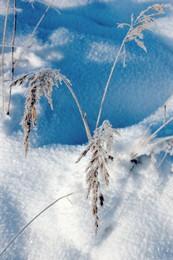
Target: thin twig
{"type": "Point", "coordinates": [2, 60]}
{"type": "Point", "coordinates": [41, 212]}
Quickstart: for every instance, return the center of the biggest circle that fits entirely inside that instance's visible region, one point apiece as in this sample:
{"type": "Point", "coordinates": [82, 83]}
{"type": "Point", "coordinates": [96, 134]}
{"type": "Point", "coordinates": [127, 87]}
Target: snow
{"type": "Point", "coordinates": [136, 222]}
{"type": "Point", "coordinates": [137, 219]}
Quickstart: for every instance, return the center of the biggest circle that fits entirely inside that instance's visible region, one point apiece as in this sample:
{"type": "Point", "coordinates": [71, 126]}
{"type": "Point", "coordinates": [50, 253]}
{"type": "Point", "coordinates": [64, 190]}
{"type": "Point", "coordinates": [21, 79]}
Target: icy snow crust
{"type": "Point", "coordinates": [137, 220]}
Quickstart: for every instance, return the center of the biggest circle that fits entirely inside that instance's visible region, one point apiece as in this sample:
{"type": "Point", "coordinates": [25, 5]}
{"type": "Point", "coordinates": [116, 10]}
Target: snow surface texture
{"type": "Point", "coordinates": [137, 220]}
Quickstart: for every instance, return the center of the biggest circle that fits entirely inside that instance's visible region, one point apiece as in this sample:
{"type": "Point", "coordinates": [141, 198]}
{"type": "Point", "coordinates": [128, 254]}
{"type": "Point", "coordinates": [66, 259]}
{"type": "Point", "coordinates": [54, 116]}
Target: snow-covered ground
{"type": "Point", "coordinates": [81, 39]}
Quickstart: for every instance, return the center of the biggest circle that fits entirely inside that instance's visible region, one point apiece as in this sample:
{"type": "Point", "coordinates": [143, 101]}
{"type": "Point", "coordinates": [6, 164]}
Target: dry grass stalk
{"type": "Point", "coordinates": [83, 115]}
{"type": "Point", "coordinates": [3, 54]}
{"type": "Point", "coordinates": [12, 53]}
{"type": "Point", "coordinates": [40, 83]}
{"type": "Point", "coordinates": [143, 22]}
{"type": "Point", "coordinates": [27, 44]}
{"type": "Point", "coordinates": [100, 148]}
{"type": "Point", "coordinates": [146, 145]}
{"type": "Point", "coordinates": [29, 40]}
{"type": "Point", "coordinates": [134, 33]}
{"type": "Point", "coordinates": [13, 41]}
{"type": "Point", "coordinates": [32, 220]}
{"type": "Point", "coordinates": [160, 112]}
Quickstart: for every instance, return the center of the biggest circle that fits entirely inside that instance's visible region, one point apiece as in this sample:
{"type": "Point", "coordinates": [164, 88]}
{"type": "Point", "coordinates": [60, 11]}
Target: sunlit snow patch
{"type": "Point", "coordinates": [61, 37]}
{"type": "Point", "coordinates": [101, 52]}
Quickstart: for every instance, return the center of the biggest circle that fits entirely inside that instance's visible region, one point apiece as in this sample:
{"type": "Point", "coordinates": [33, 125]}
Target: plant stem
{"type": "Point", "coordinates": [2, 59]}
{"type": "Point", "coordinates": [13, 41]}
{"type": "Point", "coordinates": [156, 116]}
{"type": "Point", "coordinates": [163, 139]}
{"type": "Point", "coordinates": [16, 236]}
{"type": "Point", "coordinates": [12, 54]}
{"type": "Point", "coordinates": [109, 78]}
{"type": "Point", "coordinates": [156, 132]}
{"type": "Point", "coordinates": [28, 42]}
{"type": "Point", "coordinates": [88, 132]}
{"type": "Point", "coordinates": [9, 46]}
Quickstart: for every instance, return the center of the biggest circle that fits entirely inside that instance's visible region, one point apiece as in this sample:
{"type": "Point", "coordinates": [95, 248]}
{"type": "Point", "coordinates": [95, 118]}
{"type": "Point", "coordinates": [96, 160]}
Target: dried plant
{"type": "Point", "coordinates": [100, 148]}
{"type": "Point", "coordinates": [27, 44]}
{"type": "Point", "coordinates": [3, 54]}
{"type": "Point", "coordinates": [149, 145]}
{"type": "Point", "coordinates": [134, 33]}
{"type": "Point", "coordinates": [13, 41]}
{"type": "Point", "coordinates": [12, 50]}
{"type": "Point", "coordinates": [40, 83]}
{"type": "Point", "coordinates": [141, 23]}
{"type": "Point", "coordinates": [30, 38]}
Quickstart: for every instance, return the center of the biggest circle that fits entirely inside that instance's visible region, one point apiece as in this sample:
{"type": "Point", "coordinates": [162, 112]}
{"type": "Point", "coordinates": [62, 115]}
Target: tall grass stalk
{"type": "Point", "coordinates": [83, 116]}
{"type": "Point", "coordinates": [13, 41]}
{"type": "Point", "coordinates": [109, 79]}
{"type": "Point", "coordinates": [3, 56]}
{"type": "Point", "coordinates": [134, 33]}
{"type": "Point", "coordinates": [28, 42]}
{"type": "Point", "coordinates": [12, 52]}
{"type": "Point", "coordinates": [26, 46]}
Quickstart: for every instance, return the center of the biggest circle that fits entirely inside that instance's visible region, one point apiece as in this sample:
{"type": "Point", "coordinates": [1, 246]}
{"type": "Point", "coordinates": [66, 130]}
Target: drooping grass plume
{"type": "Point", "coordinates": [41, 83]}
{"type": "Point", "coordinates": [97, 172]}
{"type": "Point", "coordinates": [135, 33]}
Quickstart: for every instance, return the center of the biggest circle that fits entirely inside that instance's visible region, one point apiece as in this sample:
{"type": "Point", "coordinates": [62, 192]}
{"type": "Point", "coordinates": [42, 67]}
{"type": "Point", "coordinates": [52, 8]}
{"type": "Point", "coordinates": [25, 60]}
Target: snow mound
{"type": "Point", "coordinates": [136, 222]}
